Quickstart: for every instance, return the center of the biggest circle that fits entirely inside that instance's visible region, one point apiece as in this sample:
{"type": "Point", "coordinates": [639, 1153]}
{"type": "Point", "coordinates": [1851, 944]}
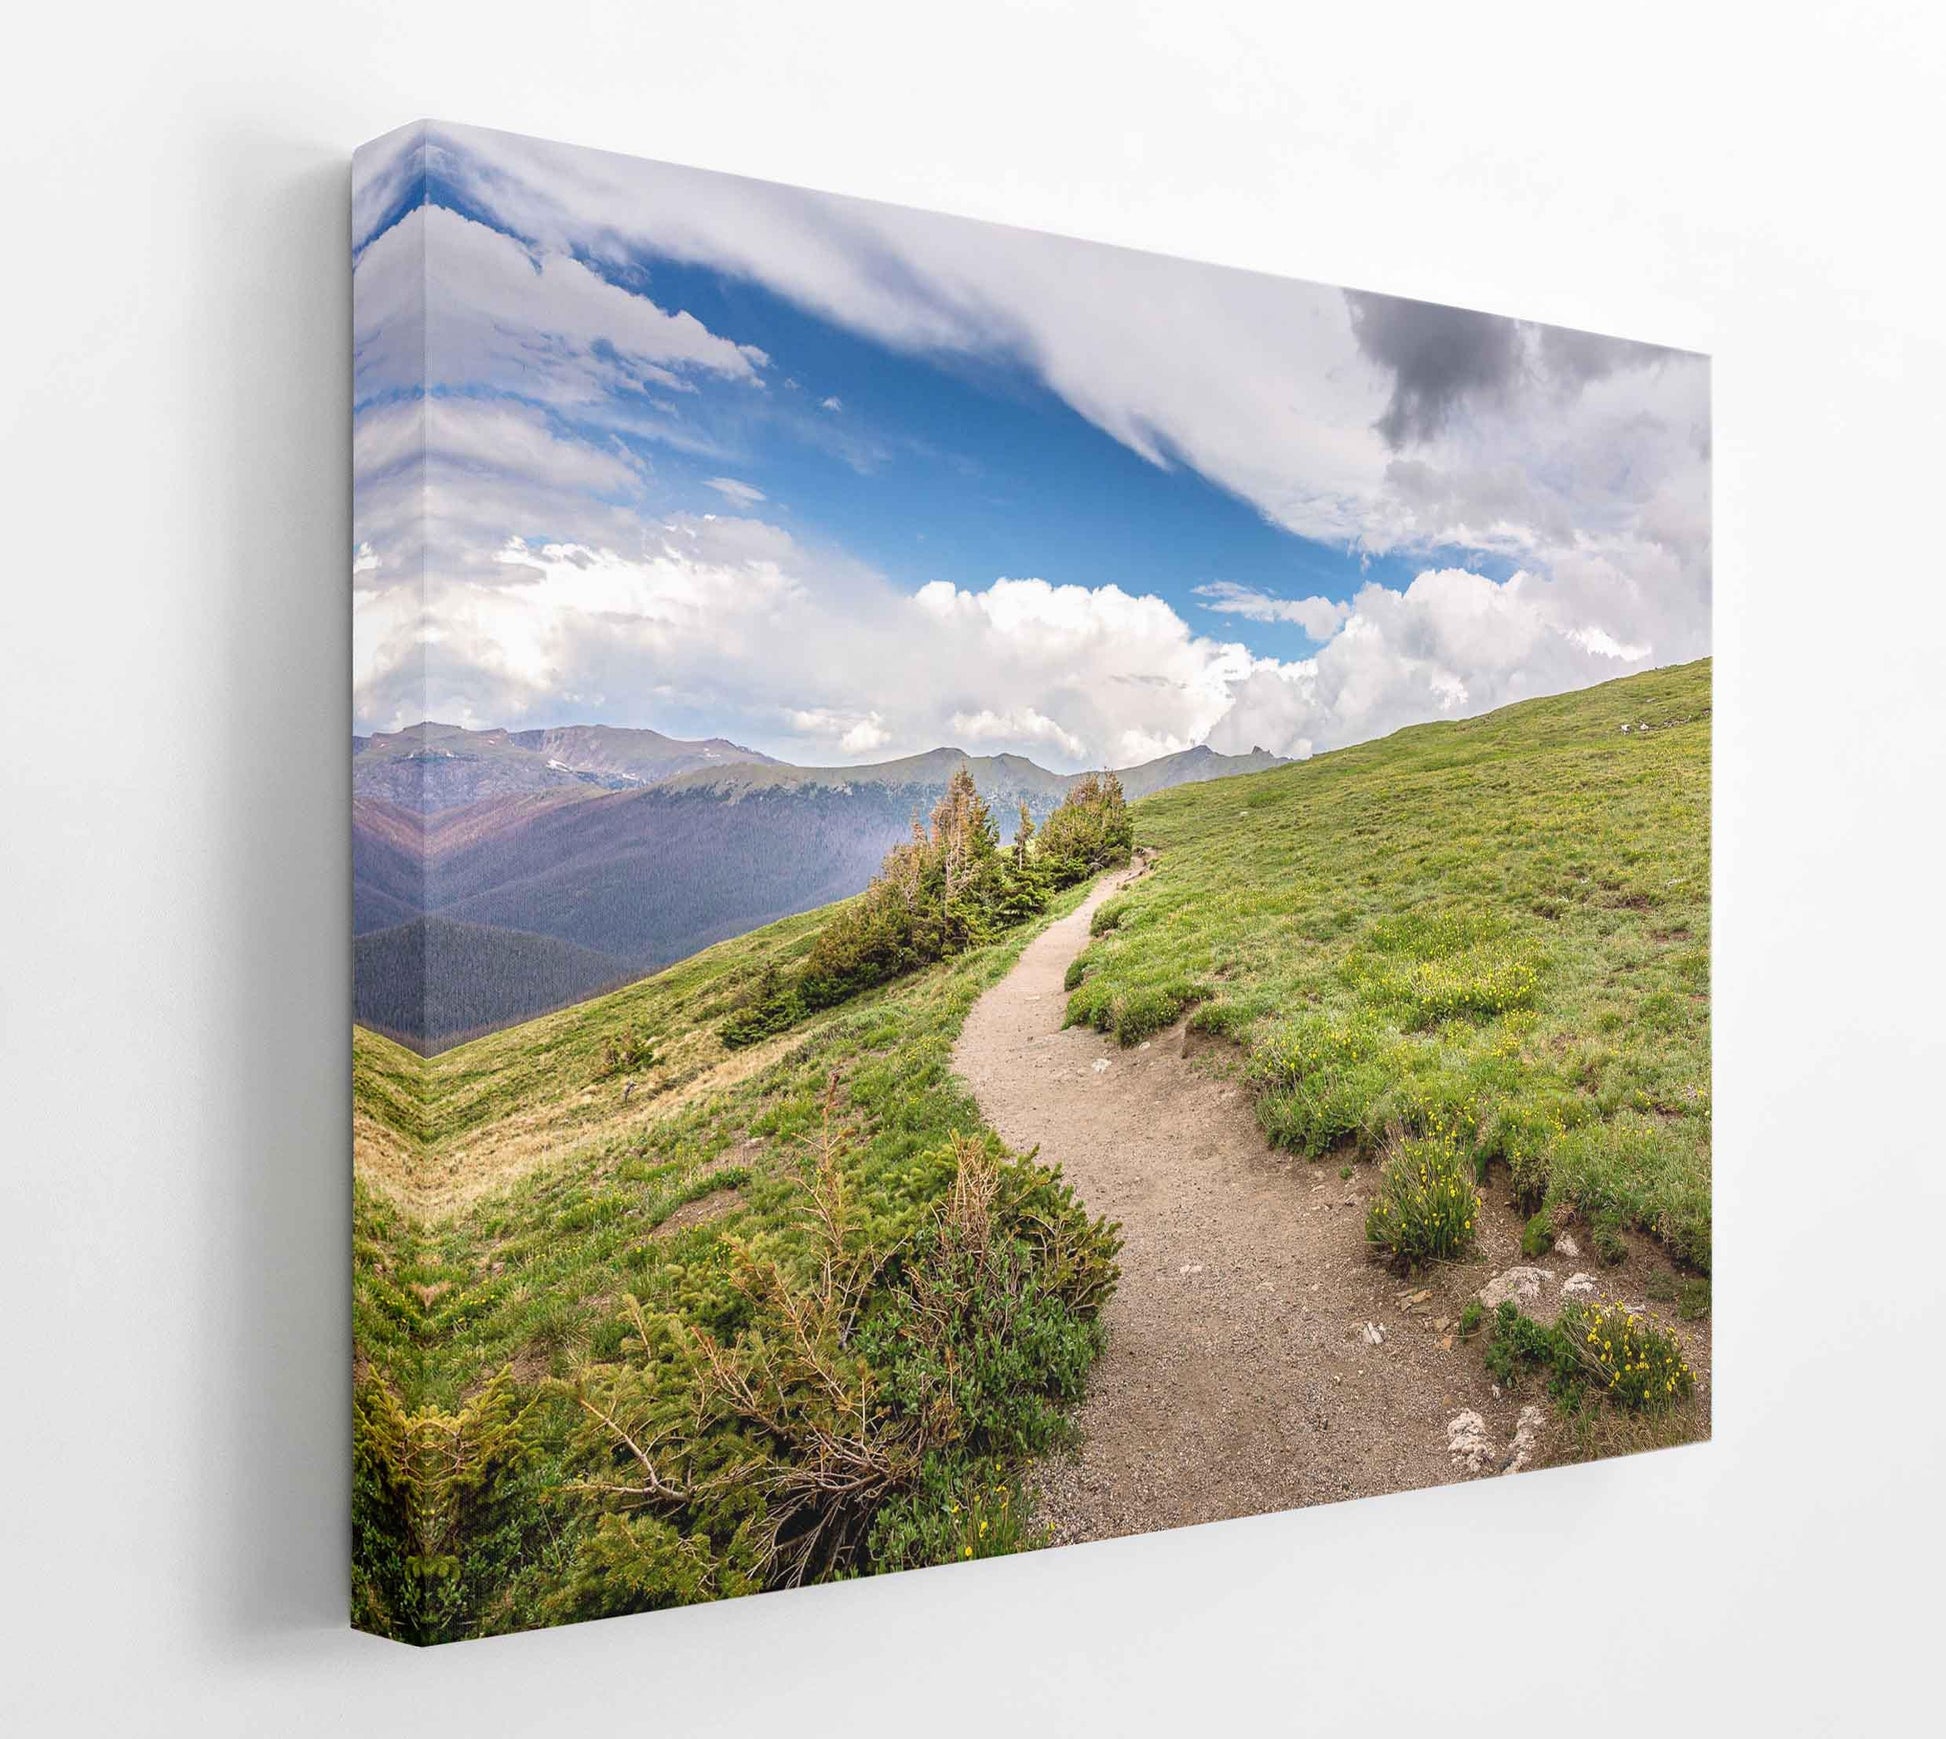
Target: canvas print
{"type": "Point", "coordinates": [1007, 892]}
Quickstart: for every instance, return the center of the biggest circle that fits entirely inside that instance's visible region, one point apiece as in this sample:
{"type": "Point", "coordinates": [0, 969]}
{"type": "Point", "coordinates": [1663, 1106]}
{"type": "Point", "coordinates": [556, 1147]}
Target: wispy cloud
{"type": "Point", "coordinates": [743, 494]}
{"type": "Point", "coordinates": [1318, 617]}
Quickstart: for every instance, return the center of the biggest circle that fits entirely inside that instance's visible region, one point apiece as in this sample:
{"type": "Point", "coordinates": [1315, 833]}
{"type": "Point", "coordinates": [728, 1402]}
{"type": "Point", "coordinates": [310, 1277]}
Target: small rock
{"type": "Point", "coordinates": [1526, 1438]}
{"type": "Point", "coordinates": [1190, 1268]}
{"type": "Point", "coordinates": [1568, 1248]}
{"type": "Point", "coordinates": [1372, 1335]}
{"type": "Point", "coordinates": [1442, 1324]}
{"type": "Point", "coordinates": [1522, 1285]}
{"type": "Point", "coordinates": [1468, 1443]}
{"type": "Point", "coordinates": [1446, 1343]}
{"type": "Point", "coordinates": [1578, 1286]}
{"type": "Point", "coordinates": [1101, 1065]}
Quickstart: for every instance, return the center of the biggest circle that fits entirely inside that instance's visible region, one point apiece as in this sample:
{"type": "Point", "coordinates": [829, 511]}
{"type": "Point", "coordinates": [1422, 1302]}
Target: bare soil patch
{"type": "Point", "coordinates": [699, 1212]}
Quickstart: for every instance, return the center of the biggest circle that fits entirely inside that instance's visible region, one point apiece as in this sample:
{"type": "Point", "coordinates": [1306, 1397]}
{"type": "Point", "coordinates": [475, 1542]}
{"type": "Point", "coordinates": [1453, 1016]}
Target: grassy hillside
{"type": "Point", "coordinates": [515, 1193]}
{"type": "Point", "coordinates": [1499, 927]}
{"type": "Point", "coordinates": [642, 1320]}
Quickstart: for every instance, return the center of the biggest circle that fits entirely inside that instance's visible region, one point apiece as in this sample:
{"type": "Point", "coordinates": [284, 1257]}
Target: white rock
{"type": "Point", "coordinates": [1522, 1285]}
{"type": "Point", "coordinates": [1527, 1434]}
{"type": "Point", "coordinates": [1190, 1268]}
{"type": "Point", "coordinates": [1373, 1335]}
{"type": "Point", "coordinates": [1578, 1286]}
{"type": "Point", "coordinates": [1468, 1443]}
{"type": "Point", "coordinates": [1567, 1247]}
{"type": "Point", "coordinates": [1101, 1065]}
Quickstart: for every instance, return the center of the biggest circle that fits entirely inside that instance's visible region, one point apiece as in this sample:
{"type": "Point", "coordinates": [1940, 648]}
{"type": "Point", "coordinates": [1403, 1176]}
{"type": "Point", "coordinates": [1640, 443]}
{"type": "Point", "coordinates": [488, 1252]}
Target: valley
{"type": "Point", "coordinates": [561, 863]}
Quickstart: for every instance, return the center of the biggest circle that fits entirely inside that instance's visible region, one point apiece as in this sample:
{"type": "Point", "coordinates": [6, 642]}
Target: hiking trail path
{"type": "Point", "coordinates": [1240, 1375]}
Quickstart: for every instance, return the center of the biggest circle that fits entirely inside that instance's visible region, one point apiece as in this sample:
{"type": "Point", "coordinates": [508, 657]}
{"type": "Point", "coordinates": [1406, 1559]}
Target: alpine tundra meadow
{"type": "Point", "coordinates": [1005, 892]}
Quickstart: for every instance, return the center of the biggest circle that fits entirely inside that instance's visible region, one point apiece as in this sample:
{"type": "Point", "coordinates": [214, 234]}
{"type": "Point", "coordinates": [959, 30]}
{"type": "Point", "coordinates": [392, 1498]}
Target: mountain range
{"type": "Point", "coordinates": [498, 874]}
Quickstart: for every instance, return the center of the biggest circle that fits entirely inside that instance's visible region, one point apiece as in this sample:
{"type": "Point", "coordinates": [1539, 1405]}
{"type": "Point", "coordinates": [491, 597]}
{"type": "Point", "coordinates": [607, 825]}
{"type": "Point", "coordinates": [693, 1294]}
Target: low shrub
{"type": "Point", "coordinates": [446, 1507]}
{"type": "Point", "coordinates": [1537, 1237]}
{"type": "Point", "coordinates": [627, 1052]}
{"type": "Point", "coordinates": [1472, 1314]}
{"type": "Point", "coordinates": [1520, 1345]}
{"type": "Point", "coordinates": [1426, 1206]}
{"type": "Point", "coordinates": [948, 888]}
{"type": "Point", "coordinates": [1108, 916]}
{"type": "Point", "coordinates": [1693, 1299]}
{"type": "Point", "coordinates": [855, 1409]}
{"type": "Point", "coordinates": [1149, 1008]}
{"type": "Point", "coordinates": [1627, 1358]}
{"type": "Point", "coordinates": [774, 1012]}
{"type": "Point", "coordinates": [959, 1509]}
{"type": "Point", "coordinates": [1601, 1351]}
{"type": "Point", "coordinates": [1077, 970]}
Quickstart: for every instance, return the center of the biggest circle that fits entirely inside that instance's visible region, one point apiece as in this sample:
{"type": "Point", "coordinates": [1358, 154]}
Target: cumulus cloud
{"type": "Point", "coordinates": [732, 624]}
{"type": "Point", "coordinates": [511, 568]}
{"type": "Point", "coordinates": [1022, 725]}
{"type": "Point", "coordinates": [1451, 644]}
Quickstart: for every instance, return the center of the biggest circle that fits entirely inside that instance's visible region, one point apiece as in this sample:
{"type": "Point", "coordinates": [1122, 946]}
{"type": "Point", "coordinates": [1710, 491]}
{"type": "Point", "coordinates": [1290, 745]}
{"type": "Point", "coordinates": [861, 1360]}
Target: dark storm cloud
{"type": "Point", "coordinates": [1438, 356]}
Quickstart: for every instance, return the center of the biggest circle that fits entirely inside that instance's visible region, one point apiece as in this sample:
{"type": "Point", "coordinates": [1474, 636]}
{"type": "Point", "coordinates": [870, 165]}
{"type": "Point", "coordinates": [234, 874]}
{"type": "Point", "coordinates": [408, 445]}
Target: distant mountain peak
{"type": "Point", "coordinates": [431, 766]}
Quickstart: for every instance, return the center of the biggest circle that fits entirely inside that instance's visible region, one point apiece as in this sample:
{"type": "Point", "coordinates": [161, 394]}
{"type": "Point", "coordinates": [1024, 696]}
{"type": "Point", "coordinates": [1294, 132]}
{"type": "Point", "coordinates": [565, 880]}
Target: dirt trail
{"type": "Point", "coordinates": [1238, 1376]}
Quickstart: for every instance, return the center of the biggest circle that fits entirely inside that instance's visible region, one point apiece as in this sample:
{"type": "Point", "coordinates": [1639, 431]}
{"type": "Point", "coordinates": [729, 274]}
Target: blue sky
{"type": "Point", "coordinates": [967, 469]}
{"type": "Point", "coordinates": [845, 481]}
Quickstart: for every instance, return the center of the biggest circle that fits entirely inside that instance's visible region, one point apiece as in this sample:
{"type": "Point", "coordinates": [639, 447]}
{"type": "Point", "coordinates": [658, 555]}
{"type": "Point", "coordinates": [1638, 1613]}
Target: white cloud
{"type": "Point", "coordinates": [732, 626]}
{"type": "Point", "coordinates": [1021, 725]}
{"type": "Point", "coordinates": [854, 733]}
{"type": "Point", "coordinates": [741, 494]}
{"type": "Point", "coordinates": [1318, 617]}
{"type": "Point", "coordinates": [528, 323]}
{"type": "Point", "coordinates": [834, 403]}
{"type": "Point", "coordinates": [547, 594]}
{"type": "Point", "coordinates": [1451, 644]}
{"type": "Point", "coordinates": [1261, 383]}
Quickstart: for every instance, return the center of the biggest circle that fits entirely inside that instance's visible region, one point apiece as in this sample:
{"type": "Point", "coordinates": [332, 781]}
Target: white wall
{"type": "Point", "coordinates": [1760, 183]}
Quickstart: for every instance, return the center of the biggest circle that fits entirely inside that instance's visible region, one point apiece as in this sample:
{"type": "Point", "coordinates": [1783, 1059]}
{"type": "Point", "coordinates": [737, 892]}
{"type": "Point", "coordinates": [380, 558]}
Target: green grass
{"type": "Point", "coordinates": [538, 1267]}
{"type": "Point", "coordinates": [454, 1285]}
{"type": "Point", "coordinates": [1490, 935]}
{"type": "Point", "coordinates": [1498, 928]}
